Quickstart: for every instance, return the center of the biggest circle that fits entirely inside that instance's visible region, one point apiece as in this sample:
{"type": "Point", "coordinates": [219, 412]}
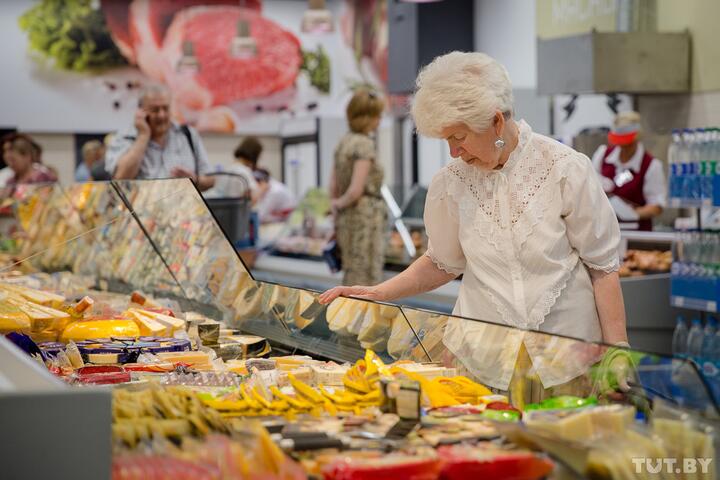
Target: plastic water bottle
{"type": "Point", "coordinates": [706, 168]}
{"type": "Point", "coordinates": [707, 351]}
{"type": "Point", "coordinates": [680, 338]}
{"type": "Point", "coordinates": [695, 338]}
{"type": "Point", "coordinates": [675, 164]}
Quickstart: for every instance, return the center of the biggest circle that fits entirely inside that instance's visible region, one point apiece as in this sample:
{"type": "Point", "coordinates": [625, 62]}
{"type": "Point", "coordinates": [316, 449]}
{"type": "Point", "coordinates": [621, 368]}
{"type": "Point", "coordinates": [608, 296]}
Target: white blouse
{"type": "Point", "coordinates": [522, 237]}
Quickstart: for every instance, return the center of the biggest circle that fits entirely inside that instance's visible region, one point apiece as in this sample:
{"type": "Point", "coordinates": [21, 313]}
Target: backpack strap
{"type": "Point", "coordinates": [186, 131]}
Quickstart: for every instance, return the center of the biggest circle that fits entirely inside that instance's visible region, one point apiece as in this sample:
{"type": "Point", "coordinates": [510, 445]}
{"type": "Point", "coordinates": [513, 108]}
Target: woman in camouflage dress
{"type": "Point", "coordinates": [359, 209]}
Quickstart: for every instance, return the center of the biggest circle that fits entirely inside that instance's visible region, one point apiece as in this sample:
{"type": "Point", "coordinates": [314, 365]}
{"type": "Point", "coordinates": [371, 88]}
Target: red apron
{"type": "Point", "coordinates": [632, 191]}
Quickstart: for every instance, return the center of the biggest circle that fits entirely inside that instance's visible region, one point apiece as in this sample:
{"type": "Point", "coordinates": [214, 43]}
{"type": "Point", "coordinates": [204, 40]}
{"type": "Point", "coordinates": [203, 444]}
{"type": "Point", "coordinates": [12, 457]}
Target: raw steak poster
{"type": "Point", "coordinates": [232, 65]}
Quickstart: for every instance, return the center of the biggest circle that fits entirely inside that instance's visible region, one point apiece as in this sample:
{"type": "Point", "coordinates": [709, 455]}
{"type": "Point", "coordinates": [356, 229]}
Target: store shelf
{"type": "Point", "coordinates": [689, 203]}
{"type": "Point", "coordinates": [693, 304]}
{"type": "Point", "coordinates": [647, 237]}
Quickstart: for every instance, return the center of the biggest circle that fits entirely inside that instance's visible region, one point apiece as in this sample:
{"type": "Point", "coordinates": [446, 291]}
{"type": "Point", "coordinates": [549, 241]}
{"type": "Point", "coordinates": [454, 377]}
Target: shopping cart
{"type": "Point", "coordinates": [234, 212]}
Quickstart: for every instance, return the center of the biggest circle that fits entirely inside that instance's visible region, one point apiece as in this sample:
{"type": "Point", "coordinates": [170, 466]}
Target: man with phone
{"type": "Point", "coordinates": [156, 147]}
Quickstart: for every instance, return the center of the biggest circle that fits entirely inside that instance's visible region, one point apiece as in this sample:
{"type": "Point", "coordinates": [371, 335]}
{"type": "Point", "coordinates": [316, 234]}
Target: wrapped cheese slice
{"type": "Point", "coordinates": [89, 329]}
{"type": "Point", "coordinates": [12, 319]}
{"type": "Point", "coordinates": [36, 296]}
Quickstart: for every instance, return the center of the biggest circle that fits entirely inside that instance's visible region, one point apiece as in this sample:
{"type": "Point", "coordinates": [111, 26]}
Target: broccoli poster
{"type": "Point", "coordinates": [232, 65]}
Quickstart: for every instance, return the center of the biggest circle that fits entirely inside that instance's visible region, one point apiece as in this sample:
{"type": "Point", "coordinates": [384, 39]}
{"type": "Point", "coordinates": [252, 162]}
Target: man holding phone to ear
{"type": "Point", "coordinates": [156, 147]}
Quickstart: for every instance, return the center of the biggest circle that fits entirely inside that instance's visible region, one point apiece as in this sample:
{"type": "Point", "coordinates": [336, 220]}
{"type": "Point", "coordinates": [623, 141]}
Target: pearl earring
{"type": "Point", "coordinates": [499, 143]}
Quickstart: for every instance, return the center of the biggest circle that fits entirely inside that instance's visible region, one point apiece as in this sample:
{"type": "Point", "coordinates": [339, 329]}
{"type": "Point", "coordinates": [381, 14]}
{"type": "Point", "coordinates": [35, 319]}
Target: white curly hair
{"type": "Point", "coordinates": [460, 87]}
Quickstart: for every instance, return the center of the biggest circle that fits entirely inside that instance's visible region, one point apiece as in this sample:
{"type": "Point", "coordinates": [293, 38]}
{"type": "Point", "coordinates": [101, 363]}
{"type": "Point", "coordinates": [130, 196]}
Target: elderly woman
{"type": "Point", "coordinates": [522, 217]}
{"type": "Point", "coordinates": [22, 155]}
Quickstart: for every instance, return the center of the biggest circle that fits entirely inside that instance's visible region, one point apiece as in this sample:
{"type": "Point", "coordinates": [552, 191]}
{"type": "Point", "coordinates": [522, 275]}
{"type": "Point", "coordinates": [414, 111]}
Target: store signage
{"type": "Point", "coordinates": [562, 18]}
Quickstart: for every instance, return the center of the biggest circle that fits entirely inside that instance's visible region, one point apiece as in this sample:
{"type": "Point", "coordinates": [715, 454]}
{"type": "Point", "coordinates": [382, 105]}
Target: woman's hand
{"type": "Point", "coordinates": [365, 293]}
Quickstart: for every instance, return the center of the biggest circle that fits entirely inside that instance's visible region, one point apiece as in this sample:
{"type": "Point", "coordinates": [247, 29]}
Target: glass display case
{"type": "Point", "coordinates": [160, 237]}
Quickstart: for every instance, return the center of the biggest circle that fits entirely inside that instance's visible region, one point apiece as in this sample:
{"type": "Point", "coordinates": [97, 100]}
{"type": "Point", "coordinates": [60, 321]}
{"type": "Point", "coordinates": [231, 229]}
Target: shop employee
{"type": "Point", "coordinates": [630, 175]}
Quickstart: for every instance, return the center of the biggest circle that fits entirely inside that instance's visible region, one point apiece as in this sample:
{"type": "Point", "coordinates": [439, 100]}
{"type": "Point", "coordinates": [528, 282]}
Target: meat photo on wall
{"type": "Point", "coordinates": [225, 61]}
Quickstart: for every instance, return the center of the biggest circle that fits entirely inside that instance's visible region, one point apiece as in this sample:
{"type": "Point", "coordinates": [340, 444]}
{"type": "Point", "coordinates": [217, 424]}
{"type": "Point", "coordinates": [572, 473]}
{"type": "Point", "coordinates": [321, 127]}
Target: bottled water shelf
{"type": "Point", "coordinates": [693, 303]}
{"type": "Point", "coordinates": [690, 202]}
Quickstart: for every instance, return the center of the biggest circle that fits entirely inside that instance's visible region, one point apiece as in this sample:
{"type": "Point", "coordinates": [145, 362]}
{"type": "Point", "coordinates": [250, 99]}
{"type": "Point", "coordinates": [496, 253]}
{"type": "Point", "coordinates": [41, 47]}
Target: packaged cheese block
{"type": "Point", "coordinates": [88, 329]}
{"type": "Point", "coordinates": [329, 374]}
{"type": "Point", "coordinates": [403, 342]}
{"type": "Point", "coordinates": [375, 332]}
{"type": "Point", "coordinates": [344, 312]}
{"type": "Point", "coordinates": [293, 362]}
{"type": "Point", "coordinates": [195, 359]}
{"type": "Point", "coordinates": [12, 319]}
{"type": "Point", "coordinates": [148, 326]}
{"type": "Point", "coordinates": [573, 425]}
{"type": "Point", "coordinates": [36, 296]}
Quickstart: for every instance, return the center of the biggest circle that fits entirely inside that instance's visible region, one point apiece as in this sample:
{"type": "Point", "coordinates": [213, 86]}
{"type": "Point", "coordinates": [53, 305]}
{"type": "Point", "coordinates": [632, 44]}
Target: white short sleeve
{"type": "Point", "coordinates": [442, 227]}
{"type": "Point", "coordinates": [592, 226]}
{"type": "Point", "coordinates": [655, 188]}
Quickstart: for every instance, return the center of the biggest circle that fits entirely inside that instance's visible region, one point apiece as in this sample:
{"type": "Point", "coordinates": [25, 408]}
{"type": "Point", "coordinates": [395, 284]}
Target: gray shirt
{"type": "Point", "coordinates": [158, 162]}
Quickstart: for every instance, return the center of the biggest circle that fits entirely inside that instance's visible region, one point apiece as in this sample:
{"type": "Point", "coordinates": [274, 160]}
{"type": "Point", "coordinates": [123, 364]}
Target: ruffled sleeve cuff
{"type": "Point", "coordinates": [612, 266]}
{"type": "Point", "coordinates": [457, 271]}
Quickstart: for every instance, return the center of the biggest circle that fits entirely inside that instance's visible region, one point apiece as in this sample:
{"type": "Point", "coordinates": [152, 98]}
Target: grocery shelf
{"type": "Point", "coordinates": [689, 203]}
{"type": "Point", "coordinates": [693, 303]}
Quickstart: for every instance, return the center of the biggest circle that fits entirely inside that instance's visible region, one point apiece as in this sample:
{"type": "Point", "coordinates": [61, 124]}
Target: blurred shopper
{"type": "Point", "coordinates": [93, 152]}
{"type": "Point", "coordinates": [246, 158]}
{"type": "Point", "coordinates": [23, 156]}
{"type": "Point", "coordinates": [360, 212]}
{"type": "Point", "coordinates": [632, 178]}
{"type": "Point", "coordinates": [156, 147]}
{"type": "Point", "coordinates": [275, 200]}
{"type": "Point", "coordinates": [525, 221]}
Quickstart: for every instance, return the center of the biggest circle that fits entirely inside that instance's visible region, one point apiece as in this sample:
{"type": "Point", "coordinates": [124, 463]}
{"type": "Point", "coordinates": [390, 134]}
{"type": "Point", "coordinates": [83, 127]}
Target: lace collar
{"type": "Point", "coordinates": [524, 134]}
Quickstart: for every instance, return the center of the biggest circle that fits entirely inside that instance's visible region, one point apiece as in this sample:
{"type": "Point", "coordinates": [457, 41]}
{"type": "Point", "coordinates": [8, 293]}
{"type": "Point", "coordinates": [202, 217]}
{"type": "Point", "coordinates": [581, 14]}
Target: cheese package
{"type": "Point", "coordinates": [195, 359]}
{"type": "Point", "coordinates": [375, 331]}
{"type": "Point", "coordinates": [403, 342]}
{"type": "Point", "coordinates": [582, 424]}
{"type": "Point", "coordinates": [344, 313]}
{"type": "Point", "coordinates": [89, 329]}
{"type": "Point", "coordinates": [329, 374]}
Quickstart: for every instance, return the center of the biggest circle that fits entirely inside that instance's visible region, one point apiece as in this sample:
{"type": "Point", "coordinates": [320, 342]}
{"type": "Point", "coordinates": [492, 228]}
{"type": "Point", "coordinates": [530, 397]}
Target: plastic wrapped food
{"type": "Point", "coordinates": [389, 467]}
{"type": "Point", "coordinates": [487, 461]}
{"type": "Point", "coordinates": [12, 319]}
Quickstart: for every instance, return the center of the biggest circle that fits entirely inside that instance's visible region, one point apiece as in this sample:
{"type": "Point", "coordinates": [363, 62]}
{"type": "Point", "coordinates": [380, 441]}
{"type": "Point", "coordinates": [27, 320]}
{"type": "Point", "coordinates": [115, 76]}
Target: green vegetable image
{"type": "Point", "coordinates": [72, 34]}
{"type": "Point", "coordinates": [317, 66]}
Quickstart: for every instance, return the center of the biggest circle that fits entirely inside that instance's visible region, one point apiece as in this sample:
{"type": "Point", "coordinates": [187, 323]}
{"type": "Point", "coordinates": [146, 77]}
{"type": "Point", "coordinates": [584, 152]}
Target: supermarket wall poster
{"type": "Point", "coordinates": [241, 66]}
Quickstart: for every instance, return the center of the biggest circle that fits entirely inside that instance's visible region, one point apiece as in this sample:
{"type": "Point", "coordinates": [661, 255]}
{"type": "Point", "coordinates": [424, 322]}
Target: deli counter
{"type": "Point", "coordinates": [154, 246]}
{"type": "Point", "coordinates": [293, 256]}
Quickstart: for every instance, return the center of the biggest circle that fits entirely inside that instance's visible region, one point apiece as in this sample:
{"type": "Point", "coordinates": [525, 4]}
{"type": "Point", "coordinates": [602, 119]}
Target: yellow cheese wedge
{"type": "Point", "coordinates": [191, 358]}
{"type": "Point", "coordinates": [12, 319]}
{"type": "Point", "coordinates": [148, 326]}
{"type": "Point", "coordinates": [172, 323]}
{"type": "Point", "coordinates": [99, 329]}
{"type": "Point", "coordinates": [41, 317]}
